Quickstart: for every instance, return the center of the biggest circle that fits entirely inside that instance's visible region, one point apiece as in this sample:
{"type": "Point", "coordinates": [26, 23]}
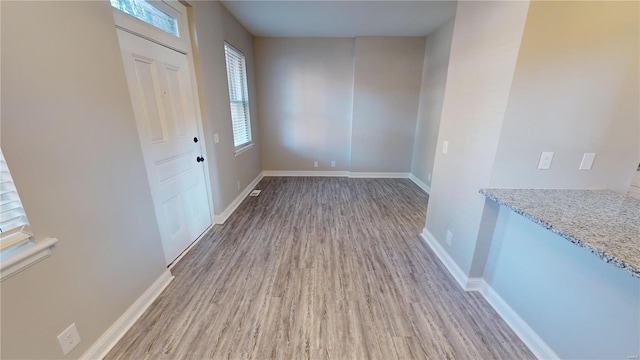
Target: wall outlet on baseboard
{"type": "Point", "coordinates": [315, 164]}
{"type": "Point", "coordinates": [449, 237]}
{"type": "Point", "coordinates": [69, 338]}
{"type": "Point", "coordinates": [333, 164]}
{"type": "Point", "coordinates": [238, 184]}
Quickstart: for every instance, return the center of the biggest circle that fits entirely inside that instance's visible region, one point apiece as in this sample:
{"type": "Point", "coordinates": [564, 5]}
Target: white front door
{"type": "Point", "coordinates": [163, 102]}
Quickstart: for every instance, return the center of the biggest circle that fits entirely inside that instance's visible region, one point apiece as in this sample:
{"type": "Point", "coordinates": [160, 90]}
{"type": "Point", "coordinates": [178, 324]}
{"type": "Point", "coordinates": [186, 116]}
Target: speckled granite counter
{"type": "Point", "coordinates": [601, 221]}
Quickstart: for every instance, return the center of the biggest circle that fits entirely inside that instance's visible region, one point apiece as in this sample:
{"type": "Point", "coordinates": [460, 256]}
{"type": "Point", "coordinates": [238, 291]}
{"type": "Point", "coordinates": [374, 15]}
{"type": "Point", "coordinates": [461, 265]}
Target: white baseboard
{"type": "Point", "coordinates": [533, 341]}
{"type": "Point", "coordinates": [305, 173]}
{"type": "Point", "coordinates": [420, 183]}
{"type": "Point", "coordinates": [474, 284]}
{"type": "Point", "coordinates": [528, 336]}
{"type": "Point", "coordinates": [114, 333]}
{"type": "Point", "coordinates": [220, 219]}
{"type": "Point", "coordinates": [376, 175]}
{"type": "Point", "coordinates": [446, 260]}
{"type": "Point", "coordinates": [379, 175]}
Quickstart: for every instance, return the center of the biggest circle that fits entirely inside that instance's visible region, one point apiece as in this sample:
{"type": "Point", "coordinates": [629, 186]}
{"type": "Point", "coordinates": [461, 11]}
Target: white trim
{"type": "Point", "coordinates": [533, 341]}
{"type": "Point", "coordinates": [116, 331]}
{"type": "Point", "coordinates": [306, 173]}
{"type": "Point", "coordinates": [25, 256]}
{"type": "Point", "coordinates": [199, 112]}
{"type": "Point", "coordinates": [528, 336]}
{"type": "Point", "coordinates": [242, 148]}
{"type": "Point", "coordinates": [147, 31]}
{"type": "Point", "coordinates": [447, 261]}
{"type": "Point", "coordinates": [474, 284]}
{"type": "Point", "coordinates": [379, 175]}
{"type": "Point", "coordinates": [420, 183]}
{"type": "Point", "coordinates": [220, 219]}
{"type": "Point", "coordinates": [373, 175]}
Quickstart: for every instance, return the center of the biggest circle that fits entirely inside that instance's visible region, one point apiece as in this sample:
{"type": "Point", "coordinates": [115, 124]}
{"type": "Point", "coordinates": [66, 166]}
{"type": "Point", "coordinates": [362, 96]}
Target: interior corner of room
{"type": "Point", "coordinates": [493, 95]}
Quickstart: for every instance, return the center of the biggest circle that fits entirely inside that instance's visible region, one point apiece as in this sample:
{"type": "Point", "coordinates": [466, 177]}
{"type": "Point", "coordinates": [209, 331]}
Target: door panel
{"type": "Point", "coordinates": [147, 79]}
{"type": "Point", "coordinates": [163, 102]}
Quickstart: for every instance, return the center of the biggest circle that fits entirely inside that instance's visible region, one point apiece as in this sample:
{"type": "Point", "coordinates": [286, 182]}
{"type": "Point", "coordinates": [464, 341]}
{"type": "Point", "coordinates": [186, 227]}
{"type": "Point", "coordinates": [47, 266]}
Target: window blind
{"type": "Point", "coordinates": [238, 95]}
{"type": "Point", "coordinates": [14, 227]}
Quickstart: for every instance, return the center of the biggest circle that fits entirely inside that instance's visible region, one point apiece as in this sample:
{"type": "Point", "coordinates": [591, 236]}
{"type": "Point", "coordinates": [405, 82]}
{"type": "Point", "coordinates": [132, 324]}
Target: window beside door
{"type": "Point", "coordinates": [238, 97]}
{"type": "Point", "coordinates": [17, 248]}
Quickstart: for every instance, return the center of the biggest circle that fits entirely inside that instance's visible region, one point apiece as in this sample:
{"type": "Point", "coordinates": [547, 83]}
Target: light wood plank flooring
{"type": "Point", "coordinates": [320, 268]}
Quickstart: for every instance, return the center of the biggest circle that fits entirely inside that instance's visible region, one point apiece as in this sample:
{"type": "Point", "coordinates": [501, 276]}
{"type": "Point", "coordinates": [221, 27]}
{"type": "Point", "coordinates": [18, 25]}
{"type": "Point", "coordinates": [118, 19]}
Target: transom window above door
{"type": "Point", "coordinates": [147, 12]}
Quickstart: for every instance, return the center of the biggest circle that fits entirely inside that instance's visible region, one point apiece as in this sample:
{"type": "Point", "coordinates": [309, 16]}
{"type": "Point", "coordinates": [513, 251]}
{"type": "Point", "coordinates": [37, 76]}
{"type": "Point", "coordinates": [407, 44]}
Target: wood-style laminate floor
{"type": "Point", "coordinates": [320, 268]}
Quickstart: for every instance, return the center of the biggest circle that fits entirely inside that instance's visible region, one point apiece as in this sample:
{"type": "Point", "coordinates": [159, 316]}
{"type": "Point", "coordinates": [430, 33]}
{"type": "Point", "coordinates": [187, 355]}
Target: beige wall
{"type": "Point", "coordinates": [212, 25]}
{"type": "Point", "coordinates": [484, 49]}
{"type": "Point", "coordinates": [434, 80]}
{"type": "Point", "coordinates": [305, 93]}
{"type": "Point", "coordinates": [353, 101]}
{"type": "Point", "coordinates": [387, 79]}
{"type": "Point", "coordinates": [575, 90]}
{"type": "Point", "coordinates": [70, 139]}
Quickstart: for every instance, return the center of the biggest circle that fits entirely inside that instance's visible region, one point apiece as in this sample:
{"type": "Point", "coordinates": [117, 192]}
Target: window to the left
{"type": "Point", "coordinates": [17, 250]}
{"type": "Point", "coordinates": [14, 226]}
{"type": "Point", "coordinates": [148, 13]}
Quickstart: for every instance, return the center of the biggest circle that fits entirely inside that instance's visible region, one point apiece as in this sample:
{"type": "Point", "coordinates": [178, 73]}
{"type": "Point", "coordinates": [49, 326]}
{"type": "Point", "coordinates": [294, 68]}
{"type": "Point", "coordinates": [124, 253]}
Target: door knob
{"type": "Point", "coordinates": [199, 159]}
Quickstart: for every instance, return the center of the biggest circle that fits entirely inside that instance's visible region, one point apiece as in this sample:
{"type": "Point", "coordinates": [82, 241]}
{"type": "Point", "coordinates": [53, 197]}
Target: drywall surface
{"type": "Point", "coordinates": [484, 49]}
{"type": "Point", "coordinates": [352, 101]}
{"type": "Point", "coordinates": [212, 25]}
{"type": "Point", "coordinates": [387, 83]}
{"type": "Point", "coordinates": [575, 90]}
{"type": "Point", "coordinates": [69, 136]}
{"type": "Point", "coordinates": [582, 307]}
{"type": "Point", "coordinates": [434, 80]}
{"type": "Point", "coordinates": [305, 89]}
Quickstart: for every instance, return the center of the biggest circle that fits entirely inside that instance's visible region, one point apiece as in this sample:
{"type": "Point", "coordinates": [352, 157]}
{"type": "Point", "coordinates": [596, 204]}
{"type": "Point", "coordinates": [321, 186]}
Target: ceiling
{"type": "Point", "coordinates": [341, 18]}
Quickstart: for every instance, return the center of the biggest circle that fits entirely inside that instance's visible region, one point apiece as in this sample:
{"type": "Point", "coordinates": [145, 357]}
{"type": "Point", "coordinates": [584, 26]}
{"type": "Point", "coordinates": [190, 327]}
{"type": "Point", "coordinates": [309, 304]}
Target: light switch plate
{"type": "Point", "coordinates": [545, 160]}
{"type": "Point", "coordinates": [216, 138]}
{"type": "Point", "coordinates": [587, 161]}
{"type": "Point", "coordinates": [445, 147]}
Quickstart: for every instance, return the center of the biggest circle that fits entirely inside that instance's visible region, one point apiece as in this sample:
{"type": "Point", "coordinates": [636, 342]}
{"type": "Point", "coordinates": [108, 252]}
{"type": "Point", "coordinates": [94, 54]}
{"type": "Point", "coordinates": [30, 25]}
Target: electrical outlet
{"type": "Point", "coordinates": [333, 164]}
{"type": "Point", "coordinates": [315, 164]}
{"type": "Point", "coordinates": [445, 147]}
{"type": "Point", "coordinates": [238, 184]}
{"type": "Point", "coordinates": [429, 177]}
{"type": "Point", "coordinates": [69, 338]}
{"type": "Point", "coordinates": [449, 237]}
{"type": "Point", "coordinates": [587, 161]}
{"type": "Point", "coordinates": [545, 160]}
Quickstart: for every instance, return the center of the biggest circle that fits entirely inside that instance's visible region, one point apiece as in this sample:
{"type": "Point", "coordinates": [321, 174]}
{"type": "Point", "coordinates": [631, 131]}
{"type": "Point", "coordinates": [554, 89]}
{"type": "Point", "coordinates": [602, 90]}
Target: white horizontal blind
{"type": "Point", "coordinates": [14, 227]}
{"type": "Point", "coordinates": [238, 95]}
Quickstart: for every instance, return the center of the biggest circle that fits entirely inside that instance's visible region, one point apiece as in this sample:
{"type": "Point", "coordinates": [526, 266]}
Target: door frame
{"type": "Point", "coordinates": [182, 45]}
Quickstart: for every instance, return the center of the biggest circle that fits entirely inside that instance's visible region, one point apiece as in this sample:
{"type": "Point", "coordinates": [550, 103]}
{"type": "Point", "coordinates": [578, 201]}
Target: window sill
{"type": "Point", "coordinates": [18, 259]}
{"type": "Point", "coordinates": [243, 148]}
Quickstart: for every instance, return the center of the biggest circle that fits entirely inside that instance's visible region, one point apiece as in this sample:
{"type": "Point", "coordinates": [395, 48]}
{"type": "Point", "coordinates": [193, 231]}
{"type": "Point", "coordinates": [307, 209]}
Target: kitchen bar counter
{"type": "Point", "coordinates": [600, 221]}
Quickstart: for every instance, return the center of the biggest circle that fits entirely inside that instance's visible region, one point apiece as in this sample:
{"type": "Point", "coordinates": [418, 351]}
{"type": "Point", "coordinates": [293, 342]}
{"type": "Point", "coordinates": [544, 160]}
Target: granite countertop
{"type": "Point", "coordinates": [601, 221]}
